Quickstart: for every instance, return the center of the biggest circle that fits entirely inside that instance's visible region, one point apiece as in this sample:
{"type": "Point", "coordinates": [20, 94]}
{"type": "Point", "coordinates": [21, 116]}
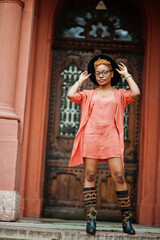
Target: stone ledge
{"type": "Point", "coordinates": [42, 234]}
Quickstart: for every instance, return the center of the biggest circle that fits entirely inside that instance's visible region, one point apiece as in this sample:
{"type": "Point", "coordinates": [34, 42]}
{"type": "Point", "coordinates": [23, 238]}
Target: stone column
{"type": "Point", "coordinates": [10, 27]}
{"type": "Point", "coordinates": [149, 165]}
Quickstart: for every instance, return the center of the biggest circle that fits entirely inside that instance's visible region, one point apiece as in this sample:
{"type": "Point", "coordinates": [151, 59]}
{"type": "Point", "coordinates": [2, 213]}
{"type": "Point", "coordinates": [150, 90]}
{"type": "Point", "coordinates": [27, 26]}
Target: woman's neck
{"type": "Point", "coordinates": [106, 88]}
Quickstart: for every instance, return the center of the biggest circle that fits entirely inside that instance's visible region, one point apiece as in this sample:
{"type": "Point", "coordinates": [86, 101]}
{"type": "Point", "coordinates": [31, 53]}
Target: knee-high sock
{"type": "Point", "coordinates": [89, 195]}
{"type": "Point", "coordinates": [124, 204]}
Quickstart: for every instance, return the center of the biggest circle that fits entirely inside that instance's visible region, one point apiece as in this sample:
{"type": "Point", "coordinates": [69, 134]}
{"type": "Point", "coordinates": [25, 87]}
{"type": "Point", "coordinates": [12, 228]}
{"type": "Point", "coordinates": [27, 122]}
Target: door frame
{"type": "Point", "coordinates": [34, 145]}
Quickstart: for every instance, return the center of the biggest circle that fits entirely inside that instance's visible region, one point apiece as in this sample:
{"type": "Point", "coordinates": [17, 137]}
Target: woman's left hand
{"type": "Point", "coordinates": [123, 69]}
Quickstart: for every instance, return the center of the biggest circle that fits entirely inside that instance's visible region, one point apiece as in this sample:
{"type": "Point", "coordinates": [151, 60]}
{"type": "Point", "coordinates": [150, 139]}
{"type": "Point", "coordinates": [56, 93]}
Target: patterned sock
{"type": "Point", "coordinates": [124, 204]}
{"type": "Point", "coordinates": [89, 195]}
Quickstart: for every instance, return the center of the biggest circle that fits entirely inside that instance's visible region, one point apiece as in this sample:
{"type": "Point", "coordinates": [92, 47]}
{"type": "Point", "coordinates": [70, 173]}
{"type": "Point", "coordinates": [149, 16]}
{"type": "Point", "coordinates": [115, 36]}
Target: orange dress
{"type": "Point", "coordinates": [84, 98]}
{"type": "Point", "coordinates": [100, 137]}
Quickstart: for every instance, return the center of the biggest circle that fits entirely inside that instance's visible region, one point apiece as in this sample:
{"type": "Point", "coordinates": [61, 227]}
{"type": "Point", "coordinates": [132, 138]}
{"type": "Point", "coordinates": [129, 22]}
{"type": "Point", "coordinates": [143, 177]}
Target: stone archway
{"type": "Point", "coordinates": [37, 111]}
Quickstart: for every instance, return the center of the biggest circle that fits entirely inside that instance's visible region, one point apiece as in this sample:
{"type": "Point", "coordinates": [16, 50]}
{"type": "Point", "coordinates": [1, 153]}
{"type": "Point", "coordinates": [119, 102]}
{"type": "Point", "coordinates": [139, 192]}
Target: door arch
{"type": "Point", "coordinates": [76, 40]}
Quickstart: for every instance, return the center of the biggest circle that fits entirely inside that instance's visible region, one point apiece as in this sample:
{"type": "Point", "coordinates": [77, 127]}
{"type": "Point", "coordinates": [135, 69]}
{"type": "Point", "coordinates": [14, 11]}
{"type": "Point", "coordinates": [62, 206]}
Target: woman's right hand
{"type": "Point", "coordinates": [84, 76]}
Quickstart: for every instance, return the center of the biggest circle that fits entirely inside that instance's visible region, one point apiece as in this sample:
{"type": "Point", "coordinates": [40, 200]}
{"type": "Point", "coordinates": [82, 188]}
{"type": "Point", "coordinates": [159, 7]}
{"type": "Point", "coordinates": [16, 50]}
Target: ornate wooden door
{"type": "Point", "coordinates": [63, 185]}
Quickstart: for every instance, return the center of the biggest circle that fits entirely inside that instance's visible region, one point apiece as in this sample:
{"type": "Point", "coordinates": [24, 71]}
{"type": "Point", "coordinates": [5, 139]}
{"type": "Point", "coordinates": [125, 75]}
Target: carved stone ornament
{"type": "Point", "coordinates": [101, 6]}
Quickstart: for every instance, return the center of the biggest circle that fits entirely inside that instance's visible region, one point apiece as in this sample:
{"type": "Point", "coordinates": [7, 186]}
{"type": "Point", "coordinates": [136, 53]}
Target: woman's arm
{"type": "Point", "coordinates": [72, 91]}
{"type": "Point", "coordinates": [135, 92]}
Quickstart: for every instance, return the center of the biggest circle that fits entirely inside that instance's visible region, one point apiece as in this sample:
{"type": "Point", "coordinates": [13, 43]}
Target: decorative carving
{"type": "Point", "coordinates": [118, 22]}
{"type": "Point", "coordinates": [101, 6]}
{"type": "Point", "coordinates": [59, 147]}
{"type": "Point", "coordinates": [66, 195]}
{"type": "Point", "coordinates": [91, 45]}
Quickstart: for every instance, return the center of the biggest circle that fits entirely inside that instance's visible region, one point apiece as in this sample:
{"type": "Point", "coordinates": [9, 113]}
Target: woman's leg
{"type": "Point", "coordinates": [123, 198]}
{"type": "Point", "coordinates": [90, 172]}
{"type": "Point", "coordinates": [116, 169]}
{"type": "Point", "coordinates": [89, 193]}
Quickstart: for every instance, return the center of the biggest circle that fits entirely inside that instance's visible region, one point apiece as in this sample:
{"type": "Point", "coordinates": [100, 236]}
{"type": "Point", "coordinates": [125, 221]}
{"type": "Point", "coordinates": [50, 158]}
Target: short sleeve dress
{"type": "Point", "coordinates": [100, 134]}
{"type": "Point", "coordinates": [101, 139]}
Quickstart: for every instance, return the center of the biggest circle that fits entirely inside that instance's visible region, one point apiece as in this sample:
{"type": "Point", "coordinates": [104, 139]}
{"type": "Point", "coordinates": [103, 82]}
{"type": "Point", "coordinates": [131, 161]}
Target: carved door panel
{"type": "Point", "coordinates": [63, 185]}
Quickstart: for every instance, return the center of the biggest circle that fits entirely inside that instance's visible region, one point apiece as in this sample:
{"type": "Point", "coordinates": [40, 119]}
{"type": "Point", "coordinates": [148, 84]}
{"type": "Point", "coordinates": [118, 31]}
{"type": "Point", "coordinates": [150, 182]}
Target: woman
{"type": "Point", "coordinates": [100, 134]}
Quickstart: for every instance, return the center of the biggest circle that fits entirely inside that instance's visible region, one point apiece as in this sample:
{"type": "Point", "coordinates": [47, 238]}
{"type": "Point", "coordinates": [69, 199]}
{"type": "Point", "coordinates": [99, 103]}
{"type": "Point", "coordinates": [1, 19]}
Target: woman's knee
{"type": "Point", "coordinates": [119, 178]}
{"type": "Point", "coordinates": [90, 176]}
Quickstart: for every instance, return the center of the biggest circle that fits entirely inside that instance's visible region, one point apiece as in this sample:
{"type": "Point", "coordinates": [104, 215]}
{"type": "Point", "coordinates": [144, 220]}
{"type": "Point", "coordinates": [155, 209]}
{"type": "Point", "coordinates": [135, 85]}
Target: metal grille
{"type": "Point", "coordinates": [70, 112]}
{"type": "Point", "coordinates": [82, 20]}
{"type": "Point", "coordinates": [123, 84]}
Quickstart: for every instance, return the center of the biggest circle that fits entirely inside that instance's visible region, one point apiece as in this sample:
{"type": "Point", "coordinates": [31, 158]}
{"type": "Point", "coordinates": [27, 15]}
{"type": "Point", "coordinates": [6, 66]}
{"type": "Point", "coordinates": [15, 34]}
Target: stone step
{"type": "Point", "coordinates": [49, 229]}
{"type": "Point", "coordinates": [42, 234]}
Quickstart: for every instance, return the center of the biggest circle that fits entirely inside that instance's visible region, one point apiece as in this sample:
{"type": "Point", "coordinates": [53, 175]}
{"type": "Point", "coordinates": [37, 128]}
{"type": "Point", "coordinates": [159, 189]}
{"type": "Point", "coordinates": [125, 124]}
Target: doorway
{"type": "Point", "coordinates": [81, 31]}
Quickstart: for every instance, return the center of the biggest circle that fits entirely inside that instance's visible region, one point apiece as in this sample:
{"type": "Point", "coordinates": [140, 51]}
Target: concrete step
{"type": "Point", "coordinates": [20, 234]}
{"type": "Point", "coordinates": [29, 229]}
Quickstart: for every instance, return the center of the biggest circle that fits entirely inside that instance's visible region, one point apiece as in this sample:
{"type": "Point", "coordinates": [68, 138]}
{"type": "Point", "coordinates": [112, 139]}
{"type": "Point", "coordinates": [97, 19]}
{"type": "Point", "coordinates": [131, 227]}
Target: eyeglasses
{"type": "Point", "coordinates": [104, 73]}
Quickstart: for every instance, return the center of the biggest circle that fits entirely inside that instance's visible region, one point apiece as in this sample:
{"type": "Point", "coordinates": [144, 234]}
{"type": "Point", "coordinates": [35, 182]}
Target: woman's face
{"type": "Point", "coordinates": [103, 75]}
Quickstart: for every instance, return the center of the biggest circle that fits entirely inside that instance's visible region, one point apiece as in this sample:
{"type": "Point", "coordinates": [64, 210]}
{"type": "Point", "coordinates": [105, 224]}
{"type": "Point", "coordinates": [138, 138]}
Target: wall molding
{"type": "Point", "coordinates": [18, 2]}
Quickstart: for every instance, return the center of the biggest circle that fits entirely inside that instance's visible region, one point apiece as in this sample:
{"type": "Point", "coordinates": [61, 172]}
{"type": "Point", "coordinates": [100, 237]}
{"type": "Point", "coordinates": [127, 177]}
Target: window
{"type": "Point", "coordinates": [70, 112]}
{"type": "Point", "coordinates": [116, 21]}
